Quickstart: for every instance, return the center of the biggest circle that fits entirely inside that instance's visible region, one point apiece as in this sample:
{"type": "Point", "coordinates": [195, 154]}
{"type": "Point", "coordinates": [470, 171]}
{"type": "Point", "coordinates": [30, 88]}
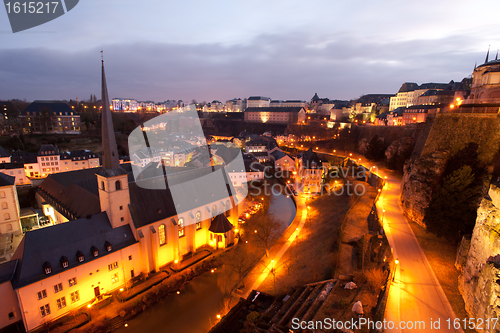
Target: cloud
{"type": "Point", "coordinates": [281, 66]}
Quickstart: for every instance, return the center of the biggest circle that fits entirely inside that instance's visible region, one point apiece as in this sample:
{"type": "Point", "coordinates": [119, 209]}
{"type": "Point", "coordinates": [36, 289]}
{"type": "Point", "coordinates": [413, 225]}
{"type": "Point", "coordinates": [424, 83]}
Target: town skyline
{"type": "Point", "coordinates": [284, 52]}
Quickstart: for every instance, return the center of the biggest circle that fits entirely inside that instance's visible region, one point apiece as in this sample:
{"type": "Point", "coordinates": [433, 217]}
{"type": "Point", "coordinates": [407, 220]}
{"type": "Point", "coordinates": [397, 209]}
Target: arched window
{"type": "Point", "coordinates": [198, 220]}
{"type": "Point", "coordinates": [2, 194]}
{"type": "Point", "coordinates": [161, 234]}
{"type": "Point", "coordinates": [214, 211]}
{"type": "Point", "coordinates": [228, 208]}
{"type": "Point", "coordinates": [6, 216]}
{"type": "Point", "coordinates": [4, 205]}
{"type": "Point", "coordinates": [181, 227]}
{"type": "Point", "coordinates": [102, 186]}
{"type": "Point", "coordinates": [118, 185]}
{"type": "Point", "coordinates": [9, 227]}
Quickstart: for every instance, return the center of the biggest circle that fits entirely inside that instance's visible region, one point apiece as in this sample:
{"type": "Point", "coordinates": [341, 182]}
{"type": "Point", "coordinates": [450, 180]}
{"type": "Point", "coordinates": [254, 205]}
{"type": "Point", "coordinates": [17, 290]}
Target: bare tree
{"type": "Point", "coordinates": [265, 230]}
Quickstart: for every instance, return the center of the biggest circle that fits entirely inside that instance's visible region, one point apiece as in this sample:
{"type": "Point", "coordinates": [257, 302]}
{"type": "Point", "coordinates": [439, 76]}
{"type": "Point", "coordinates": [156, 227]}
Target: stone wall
{"type": "Point", "coordinates": [479, 282]}
{"type": "Point", "coordinates": [419, 179]}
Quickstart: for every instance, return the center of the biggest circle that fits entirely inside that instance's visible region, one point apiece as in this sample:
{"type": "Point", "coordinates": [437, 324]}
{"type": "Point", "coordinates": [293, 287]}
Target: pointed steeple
{"type": "Point", "coordinates": [475, 65]}
{"type": "Point", "coordinates": [110, 158]}
{"type": "Point", "coordinates": [487, 55]}
{"type": "Point", "coordinates": [496, 57]}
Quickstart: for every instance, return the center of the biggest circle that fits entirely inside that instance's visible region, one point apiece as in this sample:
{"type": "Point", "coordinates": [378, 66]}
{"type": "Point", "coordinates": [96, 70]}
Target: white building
{"type": "Point", "coordinates": [124, 104]}
{"type": "Point", "coordinates": [236, 105]}
{"type": "Point", "coordinates": [9, 206]}
{"type": "Point", "coordinates": [258, 102]}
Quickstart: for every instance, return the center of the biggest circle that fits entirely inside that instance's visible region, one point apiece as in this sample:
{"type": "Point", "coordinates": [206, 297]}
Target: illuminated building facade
{"type": "Point", "coordinates": [275, 115]}
{"type": "Point", "coordinates": [124, 104]}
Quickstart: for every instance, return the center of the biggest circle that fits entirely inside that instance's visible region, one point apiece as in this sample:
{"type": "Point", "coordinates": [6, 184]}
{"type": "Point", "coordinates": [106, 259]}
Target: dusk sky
{"type": "Point", "coordinates": [207, 50]}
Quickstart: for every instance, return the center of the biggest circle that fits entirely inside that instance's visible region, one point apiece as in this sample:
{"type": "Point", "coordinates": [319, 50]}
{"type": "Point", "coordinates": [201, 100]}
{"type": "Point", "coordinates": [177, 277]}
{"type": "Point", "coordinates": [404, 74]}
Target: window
{"type": "Point", "coordinates": [198, 220]}
{"type": "Point", "coordinates": [45, 310]}
{"type": "Point", "coordinates": [58, 287]}
{"type": "Point", "coordinates": [132, 274]}
{"type": "Point", "coordinates": [121, 219]}
{"type": "Point", "coordinates": [118, 185]}
{"type": "Point", "coordinates": [72, 282]}
{"type": "Point", "coordinates": [6, 216]}
{"type": "Point", "coordinates": [114, 278]}
{"type": "Point", "coordinates": [61, 303]}
{"type": "Point", "coordinates": [228, 208]}
{"type": "Point", "coordinates": [130, 257]}
{"type": "Point", "coordinates": [121, 207]}
{"type": "Point", "coordinates": [42, 294]}
{"type": "Point", "coordinates": [102, 186]}
{"type": "Point", "coordinates": [75, 296]}
{"type": "Point", "coordinates": [161, 234]}
{"type": "Point", "coordinates": [181, 227]}
{"type": "Point", "coordinates": [113, 266]}
{"type": "Point", "coordinates": [214, 211]}
{"type": "Point", "coordinates": [12, 315]}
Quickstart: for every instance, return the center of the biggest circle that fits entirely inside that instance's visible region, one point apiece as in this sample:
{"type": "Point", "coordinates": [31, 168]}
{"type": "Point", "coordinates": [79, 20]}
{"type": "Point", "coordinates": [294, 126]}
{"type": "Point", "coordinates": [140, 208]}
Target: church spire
{"type": "Point", "coordinates": [496, 57]}
{"type": "Point", "coordinates": [109, 150]}
{"type": "Point", "coordinates": [487, 55]}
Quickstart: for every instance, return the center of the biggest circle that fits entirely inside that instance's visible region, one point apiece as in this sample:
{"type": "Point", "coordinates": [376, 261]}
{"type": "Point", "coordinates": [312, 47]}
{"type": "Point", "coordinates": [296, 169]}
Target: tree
{"type": "Point", "coordinates": [452, 211]}
{"type": "Point", "coordinates": [265, 229]}
{"type": "Point", "coordinates": [376, 149]}
{"type": "Point", "coordinates": [237, 263]}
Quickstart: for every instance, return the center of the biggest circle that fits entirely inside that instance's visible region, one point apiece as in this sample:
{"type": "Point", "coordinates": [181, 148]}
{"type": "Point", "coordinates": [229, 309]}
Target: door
{"type": "Point", "coordinates": [97, 292]}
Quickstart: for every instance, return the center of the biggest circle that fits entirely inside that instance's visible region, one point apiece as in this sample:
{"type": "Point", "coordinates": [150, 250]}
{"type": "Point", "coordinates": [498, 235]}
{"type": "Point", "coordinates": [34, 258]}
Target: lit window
{"type": "Point", "coordinates": [198, 220]}
{"type": "Point", "coordinates": [114, 278]}
{"type": "Point", "coordinates": [181, 227]}
{"type": "Point", "coordinates": [61, 303]}
{"type": "Point", "coordinates": [113, 266]}
{"type": "Point", "coordinates": [161, 234]}
{"type": "Point", "coordinates": [72, 282]}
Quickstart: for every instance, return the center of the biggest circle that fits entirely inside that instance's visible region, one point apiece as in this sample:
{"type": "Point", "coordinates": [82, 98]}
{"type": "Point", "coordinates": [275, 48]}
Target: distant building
{"type": "Point", "coordinates": [309, 171]}
{"type": "Point", "coordinates": [236, 105]}
{"type": "Point", "coordinates": [78, 160]}
{"type": "Point", "coordinates": [213, 106]}
{"type": "Point", "coordinates": [43, 117]}
{"type": "Point", "coordinates": [275, 115]}
{"type": "Point", "coordinates": [258, 102]}
{"type": "Point", "coordinates": [294, 103]}
{"type": "Point", "coordinates": [282, 161]}
{"type": "Point", "coordinates": [124, 104]}
{"type": "Point", "coordinates": [15, 170]}
{"type": "Point", "coordinates": [410, 92]}
{"type": "Point", "coordinates": [9, 203]}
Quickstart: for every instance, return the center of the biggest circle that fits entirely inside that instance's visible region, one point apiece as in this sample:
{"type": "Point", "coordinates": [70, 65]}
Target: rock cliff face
{"type": "Point", "coordinates": [479, 282]}
{"type": "Point", "coordinates": [420, 176]}
{"type": "Point", "coordinates": [400, 147]}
